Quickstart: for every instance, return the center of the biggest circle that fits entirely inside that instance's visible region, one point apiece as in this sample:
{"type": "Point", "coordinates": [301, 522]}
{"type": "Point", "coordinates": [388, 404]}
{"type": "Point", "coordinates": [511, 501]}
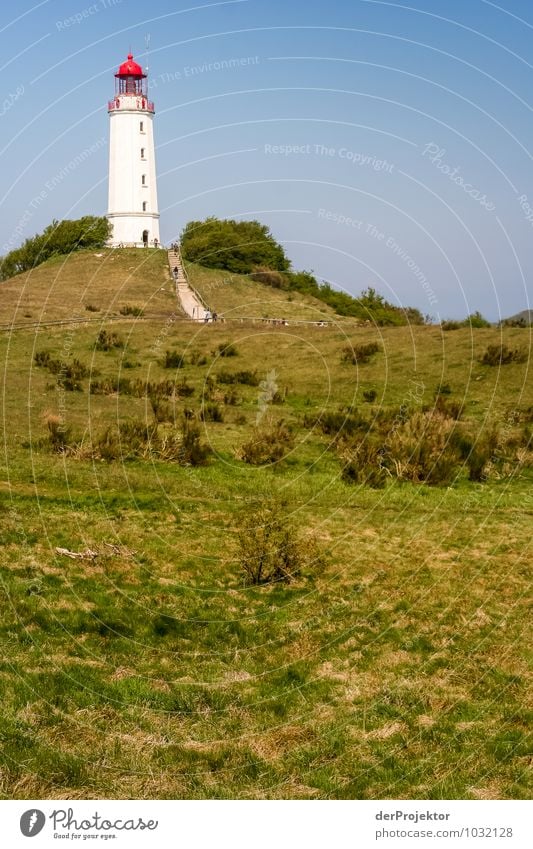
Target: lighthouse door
{"type": "Point", "coordinates": [145, 238]}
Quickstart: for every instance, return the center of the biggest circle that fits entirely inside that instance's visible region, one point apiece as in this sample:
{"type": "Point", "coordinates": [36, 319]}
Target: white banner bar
{"type": "Point", "coordinates": [267, 824]}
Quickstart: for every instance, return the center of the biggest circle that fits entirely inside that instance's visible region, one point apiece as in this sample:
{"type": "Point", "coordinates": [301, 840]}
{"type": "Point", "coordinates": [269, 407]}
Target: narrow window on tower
{"type": "Point", "coordinates": [141, 127]}
{"type": "Point", "coordinates": [142, 153]}
{"type": "Point", "coordinates": [145, 205]}
{"type": "Point", "coordinates": [143, 179]}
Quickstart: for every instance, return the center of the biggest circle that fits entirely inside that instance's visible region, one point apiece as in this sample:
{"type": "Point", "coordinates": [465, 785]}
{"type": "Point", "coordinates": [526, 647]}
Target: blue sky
{"type": "Point", "coordinates": [385, 144]}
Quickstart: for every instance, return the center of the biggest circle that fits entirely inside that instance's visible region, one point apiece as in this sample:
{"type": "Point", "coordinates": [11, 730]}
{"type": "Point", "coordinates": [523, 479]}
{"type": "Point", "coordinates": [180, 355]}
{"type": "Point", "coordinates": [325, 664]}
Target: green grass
{"type": "Point", "coordinates": [236, 296]}
{"type": "Point", "coordinates": [399, 669]}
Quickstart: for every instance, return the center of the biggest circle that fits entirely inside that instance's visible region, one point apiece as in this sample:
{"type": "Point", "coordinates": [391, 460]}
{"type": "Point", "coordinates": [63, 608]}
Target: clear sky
{"type": "Point", "coordinates": [385, 144]}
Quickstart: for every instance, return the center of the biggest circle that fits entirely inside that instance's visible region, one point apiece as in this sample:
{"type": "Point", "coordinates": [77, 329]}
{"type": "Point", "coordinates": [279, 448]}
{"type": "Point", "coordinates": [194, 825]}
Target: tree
{"type": "Point", "coordinates": [60, 237]}
{"type": "Point", "coordinates": [235, 246]}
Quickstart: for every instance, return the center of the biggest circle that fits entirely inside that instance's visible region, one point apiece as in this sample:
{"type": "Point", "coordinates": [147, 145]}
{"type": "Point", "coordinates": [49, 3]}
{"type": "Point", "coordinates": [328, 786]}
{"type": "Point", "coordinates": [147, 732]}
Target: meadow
{"type": "Point", "coordinates": [394, 664]}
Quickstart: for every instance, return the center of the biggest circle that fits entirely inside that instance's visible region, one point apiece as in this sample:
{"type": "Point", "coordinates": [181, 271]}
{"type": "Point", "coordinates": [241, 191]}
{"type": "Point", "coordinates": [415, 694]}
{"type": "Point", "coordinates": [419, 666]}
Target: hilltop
{"type": "Point", "coordinates": [88, 284]}
{"type": "Point", "coordinates": [92, 284]}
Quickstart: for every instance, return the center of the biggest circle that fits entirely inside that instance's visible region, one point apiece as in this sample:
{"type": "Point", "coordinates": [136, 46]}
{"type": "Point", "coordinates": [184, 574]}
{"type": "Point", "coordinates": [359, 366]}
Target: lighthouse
{"type": "Point", "coordinates": [132, 206]}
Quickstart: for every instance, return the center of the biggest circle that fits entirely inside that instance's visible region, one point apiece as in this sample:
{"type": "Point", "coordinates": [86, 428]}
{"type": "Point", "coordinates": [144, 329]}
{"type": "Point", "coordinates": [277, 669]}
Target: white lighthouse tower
{"type": "Point", "coordinates": [132, 207]}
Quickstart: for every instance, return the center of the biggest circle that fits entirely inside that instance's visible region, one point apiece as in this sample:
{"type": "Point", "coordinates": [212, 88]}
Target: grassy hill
{"type": "Point", "coordinates": [107, 280]}
{"type": "Point", "coordinates": [238, 296]}
{"type": "Point", "coordinates": [396, 665]}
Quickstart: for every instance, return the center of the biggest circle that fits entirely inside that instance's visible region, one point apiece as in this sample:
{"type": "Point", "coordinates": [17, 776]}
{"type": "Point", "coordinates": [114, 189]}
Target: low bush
{"type": "Point", "coordinates": [58, 433]}
{"type": "Point", "coordinates": [174, 359]}
{"type": "Point", "coordinates": [421, 449]}
{"type": "Point", "coordinates": [270, 442]}
{"type": "Point", "coordinates": [128, 309]}
{"type": "Point", "coordinates": [502, 355]}
{"type": "Point", "coordinates": [139, 440]}
{"type": "Point", "coordinates": [92, 308]}
{"type": "Point", "coordinates": [269, 548]}
{"type": "Point", "coordinates": [231, 398]}
{"type": "Point", "coordinates": [370, 395]}
{"type": "Point", "coordinates": [106, 341]}
{"type": "Point", "coordinates": [162, 410]}
{"type": "Point", "coordinates": [225, 349]}
{"type": "Point", "coordinates": [141, 388]}
{"type": "Point", "coordinates": [269, 277]}
{"type": "Point", "coordinates": [362, 463]}
{"type": "Point", "coordinates": [359, 354]}
{"type": "Point", "coordinates": [69, 375]}
{"type": "Point", "coordinates": [211, 413]}
{"type": "Point", "coordinates": [448, 409]}
{"type": "Point", "coordinates": [337, 424]}
{"type": "Point", "coordinates": [247, 378]}
{"type": "Point", "coordinates": [197, 358]}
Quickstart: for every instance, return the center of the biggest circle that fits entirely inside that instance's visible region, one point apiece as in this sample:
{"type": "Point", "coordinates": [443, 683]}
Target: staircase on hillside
{"type": "Point", "coordinates": [190, 300]}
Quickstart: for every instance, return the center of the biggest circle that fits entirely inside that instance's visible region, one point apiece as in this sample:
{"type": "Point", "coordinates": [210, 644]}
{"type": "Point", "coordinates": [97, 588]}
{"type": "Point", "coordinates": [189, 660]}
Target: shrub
{"type": "Point", "coordinates": [359, 354]}
{"type": "Point", "coordinates": [92, 308]}
{"type": "Point", "coordinates": [476, 320]}
{"type": "Point", "coordinates": [136, 439]}
{"type": "Point", "coordinates": [60, 237]}
{"type": "Point", "coordinates": [107, 341]}
{"type": "Point", "coordinates": [183, 389]}
{"type": "Point", "coordinates": [421, 449]}
{"type": "Point", "coordinates": [362, 463]}
{"type": "Point", "coordinates": [198, 359]}
{"type": "Point", "coordinates": [270, 442]}
{"type": "Point", "coordinates": [193, 451]}
{"type": "Point", "coordinates": [128, 309]}
{"type": "Point", "coordinates": [247, 378]}
{"type": "Point", "coordinates": [231, 398]}
{"type": "Point", "coordinates": [225, 349]}
{"type": "Point", "coordinates": [269, 277]}
{"type": "Point", "coordinates": [501, 355]}
{"type": "Point", "coordinates": [337, 424]}
{"type": "Point", "coordinates": [236, 246]}
{"type": "Point", "coordinates": [68, 375]}
{"type": "Point", "coordinates": [448, 409]}
{"type": "Point", "coordinates": [174, 359]}
{"type": "Point", "coordinates": [58, 434]}
{"type": "Point", "coordinates": [162, 410]}
{"type": "Point", "coordinates": [270, 550]}
{"type": "Point", "coordinates": [451, 325]}
{"type": "Point", "coordinates": [211, 413]}
{"type": "Point", "coordinates": [370, 395]}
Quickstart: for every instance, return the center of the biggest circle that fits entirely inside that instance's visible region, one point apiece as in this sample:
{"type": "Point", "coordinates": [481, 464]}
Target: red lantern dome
{"type": "Point", "coordinates": [130, 69]}
{"type": "Point", "coordinates": [131, 81]}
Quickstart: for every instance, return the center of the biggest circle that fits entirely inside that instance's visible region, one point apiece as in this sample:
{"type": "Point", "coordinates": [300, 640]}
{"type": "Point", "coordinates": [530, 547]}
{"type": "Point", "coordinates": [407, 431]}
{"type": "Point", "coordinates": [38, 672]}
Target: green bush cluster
{"type": "Point", "coordinates": [138, 388]}
{"type": "Point", "coordinates": [128, 309]}
{"type": "Point", "coordinates": [247, 378]}
{"type": "Point", "coordinates": [106, 341]}
{"type": "Point", "coordinates": [269, 443]}
{"type": "Point", "coordinates": [502, 355]}
{"type": "Point", "coordinates": [69, 375]}
{"type": "Point", "coordinates": [430, 446]}
{"type": "Point", "coordinates": [174, 359]}
{"type": "Point", "coordinates": [225, 349]}
{"type": "Point", "coordinates": [236, 246]}
{"type": "Point", "coordinates": [248, 247]}
{"type": "Point", "coordinates": [270, 549]}
{"type": "Point", "coordinates": [474, 320]}
{"type": "Point", "coordinates": [60, 237]}
{"type": "Point", "coordinates": [359, 354]}
{"type": "Point", "coordinates": [134, 440]}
